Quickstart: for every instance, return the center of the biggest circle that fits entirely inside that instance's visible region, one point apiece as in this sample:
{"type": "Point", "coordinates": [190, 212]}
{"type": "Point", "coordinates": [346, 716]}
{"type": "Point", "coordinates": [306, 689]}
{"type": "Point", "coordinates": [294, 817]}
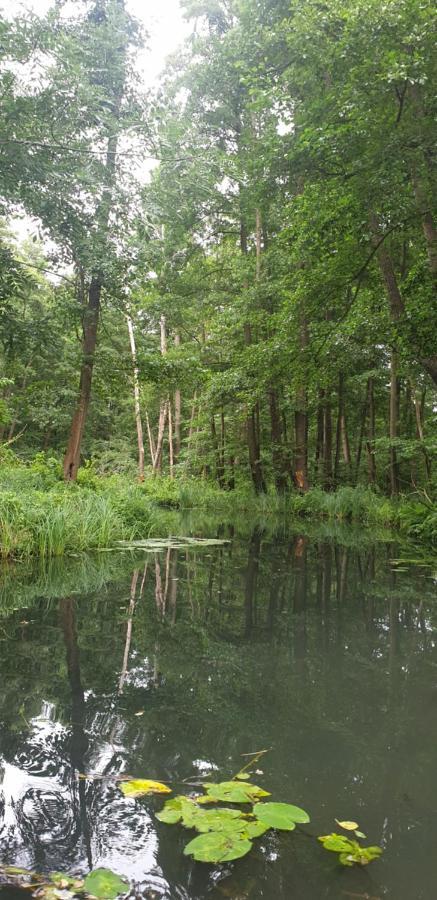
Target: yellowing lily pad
{"type": "Point", "coordinates": [348, 826]}
{"type": "Point", "coordinates": [138, 787]}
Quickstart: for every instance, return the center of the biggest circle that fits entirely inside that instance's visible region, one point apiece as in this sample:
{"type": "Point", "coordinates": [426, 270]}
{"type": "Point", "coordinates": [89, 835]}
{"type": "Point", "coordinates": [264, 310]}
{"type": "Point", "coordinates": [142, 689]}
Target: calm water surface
{"type": "Point", "coordinates": [172, 665]}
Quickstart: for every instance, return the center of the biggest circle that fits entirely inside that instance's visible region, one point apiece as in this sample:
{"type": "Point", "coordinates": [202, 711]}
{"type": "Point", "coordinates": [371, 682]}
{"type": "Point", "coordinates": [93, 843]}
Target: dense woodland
{"type": "Point", "coordinates": [233, 274]}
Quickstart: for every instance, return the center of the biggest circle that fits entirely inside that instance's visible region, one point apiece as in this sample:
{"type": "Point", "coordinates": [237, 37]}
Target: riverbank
{"type": "Point", "coordinates": [42, 516]}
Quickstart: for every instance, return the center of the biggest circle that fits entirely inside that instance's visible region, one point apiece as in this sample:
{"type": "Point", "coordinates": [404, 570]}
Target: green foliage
{"type": "Point", "coordinates": [350, 852]}
{"type": "Point", "coordinates": [217, 847]}
{"type": "Point", "coordinates": [282, 816]}
{"type": "Point", "coordinates": [227, 833]}
{"type": "Point", "coordinates": [104, 884]}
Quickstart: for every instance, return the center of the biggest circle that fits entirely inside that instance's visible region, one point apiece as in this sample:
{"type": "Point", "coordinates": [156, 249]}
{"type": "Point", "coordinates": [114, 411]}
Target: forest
{"type": "Point", "coordinates": [218, 474]}
{"type": "Point", "coordinates": [226, 295]}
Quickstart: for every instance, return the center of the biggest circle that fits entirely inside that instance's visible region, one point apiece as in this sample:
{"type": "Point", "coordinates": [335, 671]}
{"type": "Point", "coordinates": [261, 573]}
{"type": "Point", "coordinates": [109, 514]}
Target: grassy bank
{"type": "Point", "coordinates": [42, 516]}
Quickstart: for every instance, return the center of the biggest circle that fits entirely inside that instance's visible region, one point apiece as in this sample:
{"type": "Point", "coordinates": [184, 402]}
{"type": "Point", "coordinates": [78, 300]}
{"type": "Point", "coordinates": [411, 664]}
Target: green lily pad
{"type": "Point", "coordinates": [255, 829]}
{"type": "Point", "coordinates": [215, 847]}
{"type": "Point", "coordinates": [104, 884]}
{"type": "Point", "coordinates": [283, 816]}
{"type": "Point", "coordinates": [235, 791]}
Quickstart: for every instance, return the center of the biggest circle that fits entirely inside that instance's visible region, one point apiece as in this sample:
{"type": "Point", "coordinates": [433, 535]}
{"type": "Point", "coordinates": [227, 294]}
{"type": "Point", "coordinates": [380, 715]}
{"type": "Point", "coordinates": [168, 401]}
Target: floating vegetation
{"type": "Point", "coordinates": [154, 545]}
{"type": "Point", "coordinates": [224, 833]}
{"type": "Point", "coordinates": [101, 883]}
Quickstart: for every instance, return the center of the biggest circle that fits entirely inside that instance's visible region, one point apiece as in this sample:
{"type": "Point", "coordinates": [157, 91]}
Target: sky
{"type": "Point", "coordinates": [166, 29]}
{"type": "Point", "coordinates": [162, 19]}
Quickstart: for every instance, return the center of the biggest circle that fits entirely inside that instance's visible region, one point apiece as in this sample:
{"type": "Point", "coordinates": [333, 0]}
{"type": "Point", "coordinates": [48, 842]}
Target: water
{"type": "Point", "coordinates": [172, 666]}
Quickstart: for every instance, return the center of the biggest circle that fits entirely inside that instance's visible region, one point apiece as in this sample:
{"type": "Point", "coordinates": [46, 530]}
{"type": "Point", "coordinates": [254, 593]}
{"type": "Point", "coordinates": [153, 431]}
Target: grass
{"type": "Point", "coordinates": [41, 516]}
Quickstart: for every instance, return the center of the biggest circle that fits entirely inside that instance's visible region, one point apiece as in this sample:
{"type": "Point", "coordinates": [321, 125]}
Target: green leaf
{"type": "Point", "coordinates": [139, 787]}
{"type": "Point", "coordinates": [360, 834]}
{"type": "Point", "coordinates": [255, 829]}
{"type": "Point", "coordinates": [242, 776]}
{"type": "Point", "coordinates": [338, 843]}
{"type": "Point", "coordinates": [104, 884]}
{"type": "Point", "coordinates": [350, 851]}
{"type": "Point", "coordinates": [216, 847]}
{"type": "Point", "coordinates": [235, 792]}
{"type": "Point", "coordinates": [283, 816]}
{"type": "Point", "coordinates": [226, 820]}
{"type": "Point", "coordinates": [173, 810]}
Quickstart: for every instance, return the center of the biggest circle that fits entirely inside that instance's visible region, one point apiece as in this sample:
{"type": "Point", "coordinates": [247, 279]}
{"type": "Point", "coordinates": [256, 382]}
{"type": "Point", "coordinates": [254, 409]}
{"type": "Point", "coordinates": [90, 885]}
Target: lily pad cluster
{"type": "Point", "coordinates": [349, 852]}
{"type": "Point", "coordinates": [102, 884]}
{"type": "Point", "coordinates": [226, 833]}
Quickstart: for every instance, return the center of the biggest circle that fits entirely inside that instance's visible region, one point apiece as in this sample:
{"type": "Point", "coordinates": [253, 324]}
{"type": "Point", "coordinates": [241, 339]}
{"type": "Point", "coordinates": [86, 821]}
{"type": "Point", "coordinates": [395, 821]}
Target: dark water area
{"type": "Point", "coordinates": [172, 665]}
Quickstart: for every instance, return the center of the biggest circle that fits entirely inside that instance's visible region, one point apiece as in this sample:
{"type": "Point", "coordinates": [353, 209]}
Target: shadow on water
{"type": "Point", "coordinates": [171, 665]}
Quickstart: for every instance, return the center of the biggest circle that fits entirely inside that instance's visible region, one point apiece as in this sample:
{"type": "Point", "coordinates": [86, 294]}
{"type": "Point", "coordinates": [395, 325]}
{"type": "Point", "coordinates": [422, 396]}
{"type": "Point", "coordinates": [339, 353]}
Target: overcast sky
{"type": "Point", "coordinates": [166, 28]}
{"type": "Point", "coordinates": [162, 19]}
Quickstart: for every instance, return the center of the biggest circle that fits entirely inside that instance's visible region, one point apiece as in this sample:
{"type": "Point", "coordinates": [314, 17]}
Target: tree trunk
{"type": "Point", "coordinates": [394, 295]}
{"type": "Point", "coordinates": [137, 406]}
{"type": "Point", "coordinates": [327, 443]}
{"type": "Point", "coordinates": [157, 465]}
{"type": "Point", "coordinates": [177, 412]}
{"type": "Point", "coordinates": [219, 468]}
{"type": "Point", "coordinates": [163, 406]}
{"type": "Point", "coordinates": [170, 440]}
{"type": "Point", "coordinates": [394, 424]}
{"type": "Point", "coordinates": [371, 433]}
{"type": "Point", "coordinates": [342, 438]}
{"type": "Point", "coordinates": [279, 464]}
{"type": "Point", "coordinates": [252, 427]}
{"type": "Point", "coordinates": [301, 421]}
{"type": "Point", "coordinates": [418, 410]}
{"type": "Point", "coordinates": [90, 327]}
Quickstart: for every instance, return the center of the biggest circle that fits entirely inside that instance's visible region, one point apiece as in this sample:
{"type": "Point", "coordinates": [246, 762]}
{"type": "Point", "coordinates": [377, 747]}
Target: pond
{"type": "Point", "coordinates": [172, 665]}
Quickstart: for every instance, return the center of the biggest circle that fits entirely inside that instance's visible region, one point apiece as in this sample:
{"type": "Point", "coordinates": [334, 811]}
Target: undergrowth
{"type": "Point", "coordinates": [42, 516]}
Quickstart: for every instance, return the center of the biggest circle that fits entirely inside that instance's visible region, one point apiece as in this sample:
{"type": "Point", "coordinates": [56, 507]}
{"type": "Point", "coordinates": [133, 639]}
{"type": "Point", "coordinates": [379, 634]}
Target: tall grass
{"type": "Point", "coordinates": [42, 516]}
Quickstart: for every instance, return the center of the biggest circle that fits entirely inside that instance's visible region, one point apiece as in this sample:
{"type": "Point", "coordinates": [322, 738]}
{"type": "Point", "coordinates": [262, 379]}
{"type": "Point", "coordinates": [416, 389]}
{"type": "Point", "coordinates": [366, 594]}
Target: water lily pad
{"type": "Point", "coordinates": [173, 810]}
{"type": "Point", "coordinates": [235, 791]}
{"type": "Point", "coordinates": [215, 847]}
{"type": "Point", "coordinates": [283, 816]}
{"type": "Point", "coordinates": [138, 787]}
{"type": "Point", "coordinates": [348, 826]}
{"type": "Point", "coordinates": [104, 884]}
{"type": "Point", "coordinates": [255, 829]}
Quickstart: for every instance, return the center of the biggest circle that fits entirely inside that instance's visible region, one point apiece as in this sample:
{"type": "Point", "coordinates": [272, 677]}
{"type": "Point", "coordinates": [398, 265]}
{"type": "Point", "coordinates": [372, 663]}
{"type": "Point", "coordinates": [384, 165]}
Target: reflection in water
{"type": "Point", "coordinates": [191, 658]}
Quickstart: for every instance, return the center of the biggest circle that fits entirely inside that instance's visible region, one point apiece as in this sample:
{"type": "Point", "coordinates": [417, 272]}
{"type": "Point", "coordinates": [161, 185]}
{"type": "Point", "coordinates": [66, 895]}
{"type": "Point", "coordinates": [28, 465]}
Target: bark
{"type": "Point", "coordinates": [137, 406]}
{"type": "Point", "coordinates": [157, 465]}
{"type": "Point", "coordinates": [279, 462]}
{"type": "Point", "coordinates": [152, 447]}
{"type": "Point", "coordinates": [319, 436]}
{"type": "Point", "coordinates": [90, 328]}
{"type": "Point", "coordinates": [92, 310]}
{"type": "Point", "coordinates": [418, 410]}
{"type": "Point", "coordinates": [170, 440]}
{"type": "Point", "coordinates": [371, 433]}
{"type": "Point", "coordinates": [327, 443]}
{"type": "Point", "coordinates": [342, 438]}
{"type": "Point", "coordinates": [394, 423]}
{"type": "Point", "coordinates": [396, 303]}
{"type": "Point", "coordinates": [301, 422]}
{"type": "Point", "coordinates": [164, 405]}
{"type": "Point", "coordinates": [361, 437]}
{"type": "Point", "coordinates": [177, 413]}
{"type": "Point", "coordinates": [219, 469]}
